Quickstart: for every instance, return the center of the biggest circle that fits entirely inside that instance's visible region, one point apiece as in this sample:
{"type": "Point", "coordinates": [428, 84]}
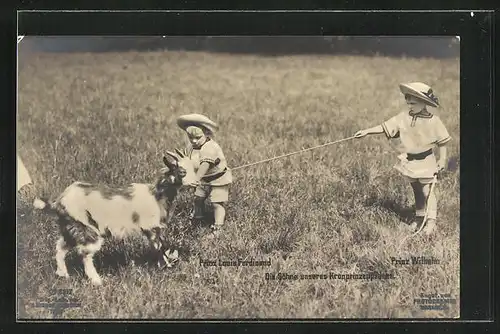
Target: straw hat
{"type": "Point", "coordinates": [421, 91]}
{"type": "Point", "coordinates": [198, 120]}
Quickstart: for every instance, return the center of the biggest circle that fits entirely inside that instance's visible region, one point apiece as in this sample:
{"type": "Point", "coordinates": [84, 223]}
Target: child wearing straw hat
{"type": "Point", "coordinates": [213, 173]}
{"type": "Point", "coordinates": [419, 131]}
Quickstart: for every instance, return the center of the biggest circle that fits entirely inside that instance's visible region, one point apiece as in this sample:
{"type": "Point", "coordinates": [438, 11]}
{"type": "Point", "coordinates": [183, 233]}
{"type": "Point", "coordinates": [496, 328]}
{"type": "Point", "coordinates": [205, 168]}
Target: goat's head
{"type": "Point", "coordinates": [168, 256]}
{"type": "Point", "coordinates": [179, 170]}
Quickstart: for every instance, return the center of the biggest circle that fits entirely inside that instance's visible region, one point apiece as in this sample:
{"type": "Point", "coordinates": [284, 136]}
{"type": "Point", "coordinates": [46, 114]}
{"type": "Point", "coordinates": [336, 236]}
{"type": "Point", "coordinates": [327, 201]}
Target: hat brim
{"type": "Point", "coordinates": [406, 89]}
{"type": "Point", "coordinates": [198, 120]}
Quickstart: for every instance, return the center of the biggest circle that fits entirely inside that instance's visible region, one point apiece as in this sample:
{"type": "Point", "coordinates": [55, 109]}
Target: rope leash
{"type": "Point", "coordinates": [293, 153]}
{"type": "Point", "coordinates": [336, 142]}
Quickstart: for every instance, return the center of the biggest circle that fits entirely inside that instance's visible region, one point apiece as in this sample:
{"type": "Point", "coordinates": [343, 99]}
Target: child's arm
{"type": "Point", "coordinates": [442, 138]}
{"type": "Point", "coordinates": [374, 130]}
{"type": "Point", "coordinates": [204, 166]}
{"type": "Point", "coordinates": [208, 158]}
{"type": "Point", "coordinates": [442, 152]}
{"type": "Point", "coordinates": [389, 127]}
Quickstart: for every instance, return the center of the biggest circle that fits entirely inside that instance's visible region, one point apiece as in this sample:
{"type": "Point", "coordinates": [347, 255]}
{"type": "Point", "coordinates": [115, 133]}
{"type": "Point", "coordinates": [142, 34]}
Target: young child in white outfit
{"type": "Point", "coordinates": [213, 173]}
{"type": "Point", "coordinates": [419, 132]}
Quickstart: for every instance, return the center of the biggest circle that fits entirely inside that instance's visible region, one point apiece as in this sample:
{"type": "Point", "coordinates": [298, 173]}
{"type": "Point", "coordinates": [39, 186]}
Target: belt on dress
{"type": "Point", "coordinates": [213, 177]}
{"type": "Point", "coordinates": [418, 156]}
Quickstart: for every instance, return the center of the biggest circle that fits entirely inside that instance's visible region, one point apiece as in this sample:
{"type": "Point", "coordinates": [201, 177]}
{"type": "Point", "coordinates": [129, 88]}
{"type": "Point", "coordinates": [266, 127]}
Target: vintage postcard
{"type": "Point", "coordinates": [238, 177]}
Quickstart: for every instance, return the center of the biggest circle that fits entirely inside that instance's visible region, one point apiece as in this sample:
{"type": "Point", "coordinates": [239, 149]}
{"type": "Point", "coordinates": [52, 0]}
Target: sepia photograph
{"type": "Point", "coordinates": [238, 177]}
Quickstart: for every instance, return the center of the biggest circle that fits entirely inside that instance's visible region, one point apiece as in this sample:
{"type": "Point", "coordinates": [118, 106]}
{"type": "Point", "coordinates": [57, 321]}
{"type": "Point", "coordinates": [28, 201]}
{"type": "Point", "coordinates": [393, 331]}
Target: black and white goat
{"type": "Point", "coordinates": [88, 213]}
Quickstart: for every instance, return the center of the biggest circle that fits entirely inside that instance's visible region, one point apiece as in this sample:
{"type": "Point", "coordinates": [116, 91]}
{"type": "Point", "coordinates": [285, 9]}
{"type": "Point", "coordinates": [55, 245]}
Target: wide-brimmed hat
{"type": "Point", "coordinates": [420, 91]}
{"type": "Point", "coordinates": [198, 120]}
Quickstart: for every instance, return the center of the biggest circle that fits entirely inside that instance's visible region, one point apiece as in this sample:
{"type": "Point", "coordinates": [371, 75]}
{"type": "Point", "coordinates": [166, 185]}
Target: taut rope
{"type": "Point", "coordinates": [292, 153]}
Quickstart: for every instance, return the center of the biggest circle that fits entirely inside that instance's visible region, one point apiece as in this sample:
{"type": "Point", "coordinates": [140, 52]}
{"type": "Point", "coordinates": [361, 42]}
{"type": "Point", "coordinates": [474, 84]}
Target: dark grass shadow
{"type": "Point", "coordinates": [112, 259]}
{"type": "Point", "coordinates": [404, 213]}
{"type": "Point", "coordinates": [117, 255]}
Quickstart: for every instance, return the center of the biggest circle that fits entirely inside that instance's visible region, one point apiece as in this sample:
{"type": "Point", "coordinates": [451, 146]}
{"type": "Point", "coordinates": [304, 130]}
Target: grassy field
{"type": "Point", "coordinates": [108, 117]}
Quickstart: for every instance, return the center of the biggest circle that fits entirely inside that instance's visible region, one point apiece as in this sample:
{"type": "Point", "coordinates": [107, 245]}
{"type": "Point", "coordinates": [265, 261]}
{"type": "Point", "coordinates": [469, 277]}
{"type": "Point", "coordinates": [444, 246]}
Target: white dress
{"type": "Point", "coordinates": [416, 134]}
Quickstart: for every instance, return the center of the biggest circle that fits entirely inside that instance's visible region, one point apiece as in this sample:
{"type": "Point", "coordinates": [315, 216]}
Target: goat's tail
{"type": "Point", "coordinates": [48, 207]}
{"type": "Point", "coordinates": [41, 204]}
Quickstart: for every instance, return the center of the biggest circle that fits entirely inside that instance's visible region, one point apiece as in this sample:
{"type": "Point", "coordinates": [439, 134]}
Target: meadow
{"type": "Point", "coordinates": [109, 117]}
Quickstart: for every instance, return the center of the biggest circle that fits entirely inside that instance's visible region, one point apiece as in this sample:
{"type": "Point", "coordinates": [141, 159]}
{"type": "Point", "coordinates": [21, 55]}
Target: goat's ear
{"type": "Point", "coordinates": [170, 160]}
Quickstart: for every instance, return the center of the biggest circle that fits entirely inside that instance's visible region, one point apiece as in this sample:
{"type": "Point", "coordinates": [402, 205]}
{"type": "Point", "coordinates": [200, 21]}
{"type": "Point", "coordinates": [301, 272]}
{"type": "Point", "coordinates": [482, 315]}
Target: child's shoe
{"type": "Point", "coordinates": [416, 222]}
{"type": "Point", "coordinates": [216, 230]}
{"type": "Point", "coordinates": [429, 226]}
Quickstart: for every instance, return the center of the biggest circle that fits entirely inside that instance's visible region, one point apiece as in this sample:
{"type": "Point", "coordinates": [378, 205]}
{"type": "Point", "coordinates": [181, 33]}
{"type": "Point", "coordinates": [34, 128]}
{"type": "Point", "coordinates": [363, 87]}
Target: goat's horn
{"type": "Point", "coordinates": [180, 153]}
{"type": "Point", "coordinates": [172, 155]}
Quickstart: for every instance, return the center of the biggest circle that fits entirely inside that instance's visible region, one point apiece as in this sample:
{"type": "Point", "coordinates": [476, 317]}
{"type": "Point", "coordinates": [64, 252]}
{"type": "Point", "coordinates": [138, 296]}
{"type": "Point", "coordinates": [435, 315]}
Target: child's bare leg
{"type": "Point", "coordinates": [419, 198]}
{"type": "Point", "coordinates": [431, 208]}
{"type": "Point", "coordinates": [419, 205]}
{"type": "Point", "coordinates": [219, 213]}
{"type": "Point", "coordinates": [432, 202]}
{"type": "Point", "coordinates": [219, 195]}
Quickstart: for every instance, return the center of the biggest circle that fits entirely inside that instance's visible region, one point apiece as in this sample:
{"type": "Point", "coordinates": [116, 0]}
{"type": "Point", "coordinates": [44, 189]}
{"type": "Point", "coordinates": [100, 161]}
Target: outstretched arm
{"type": "Point", "coordinates": [374, 130]}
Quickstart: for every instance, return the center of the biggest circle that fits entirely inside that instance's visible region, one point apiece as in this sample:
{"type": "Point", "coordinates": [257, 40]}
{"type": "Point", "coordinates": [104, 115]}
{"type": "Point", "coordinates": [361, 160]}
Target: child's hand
{"type": "Point", "coordinates": [440, 169]}
{"type": "Point", "coordinates": [195, 183]}
{"type": "Point", "coordinates": [361, 133]}
{"type": "Point", "coordinates": [440, 166]}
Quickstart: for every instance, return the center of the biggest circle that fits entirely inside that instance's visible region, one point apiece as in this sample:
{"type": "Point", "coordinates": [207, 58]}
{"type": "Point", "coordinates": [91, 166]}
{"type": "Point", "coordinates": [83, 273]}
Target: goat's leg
{"type": "Point", "coordinates": [154, 238]}
{"type": "Point", "coordinates": [61, 250]}
{"type": "Point", "coordinates": [87, 251]}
